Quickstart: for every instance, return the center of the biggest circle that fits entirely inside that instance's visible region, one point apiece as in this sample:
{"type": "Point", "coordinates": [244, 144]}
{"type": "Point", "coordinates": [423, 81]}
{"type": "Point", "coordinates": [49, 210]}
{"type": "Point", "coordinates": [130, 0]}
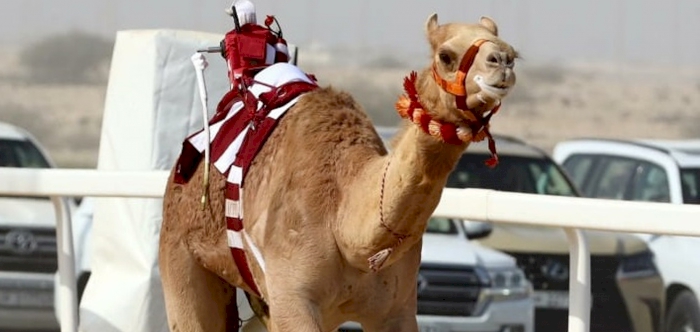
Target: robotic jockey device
{"type": "Point", "coordinates": [264, 85]}
{"type": "Point", "coordinates": [250, 47]}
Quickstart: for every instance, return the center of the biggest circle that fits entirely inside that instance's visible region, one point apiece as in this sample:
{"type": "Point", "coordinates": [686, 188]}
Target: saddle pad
{"type": "Point", "coordinates": [236, 136]}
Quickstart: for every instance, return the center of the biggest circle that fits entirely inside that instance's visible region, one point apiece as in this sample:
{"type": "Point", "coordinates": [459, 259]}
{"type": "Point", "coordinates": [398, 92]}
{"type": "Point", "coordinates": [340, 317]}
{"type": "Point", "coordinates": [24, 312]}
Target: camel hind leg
{"type": "Point", "coordinates": [196, 299]}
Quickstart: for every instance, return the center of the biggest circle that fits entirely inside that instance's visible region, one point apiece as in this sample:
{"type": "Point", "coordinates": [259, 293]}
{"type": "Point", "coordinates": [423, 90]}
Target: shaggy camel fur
{"type": "Point", "coordinates": [315, 198]}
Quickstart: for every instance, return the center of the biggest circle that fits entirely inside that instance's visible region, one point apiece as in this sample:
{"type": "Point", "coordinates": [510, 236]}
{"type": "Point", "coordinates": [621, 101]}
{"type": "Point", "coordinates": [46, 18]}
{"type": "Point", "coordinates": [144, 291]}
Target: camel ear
{"type": "Point", "coordinates": [489, 24]}
{"type": "Point", "coordinates": [430, 26]}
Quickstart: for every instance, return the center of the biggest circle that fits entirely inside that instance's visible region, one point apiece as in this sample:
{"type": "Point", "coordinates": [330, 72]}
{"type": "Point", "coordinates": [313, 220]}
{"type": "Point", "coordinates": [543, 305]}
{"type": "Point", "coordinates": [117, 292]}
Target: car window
{"type": "Point", "coordinates": [14, 153]}
{"type": "Point", "coordinates": [441, 226]}
{"type": "Point", "coordinates": [513, 174]}
{"type": "Point", "coordinates": [578, 167]}
{"type": "Point", "coordinates": [651, 184]}
{"type": "Point", "coordinates": [549, 180]}
{"type": "Point", "coordinates": [690, 184]}
{"type": "Point", "coordinates": [614, 178]}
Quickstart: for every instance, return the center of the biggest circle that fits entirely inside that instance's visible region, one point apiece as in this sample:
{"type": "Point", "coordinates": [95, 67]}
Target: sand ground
{"type": "Point", "coordinates": [548, 104]}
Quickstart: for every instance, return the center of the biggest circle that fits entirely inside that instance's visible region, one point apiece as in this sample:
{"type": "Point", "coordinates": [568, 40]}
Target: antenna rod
{"type": "Point", "coordinates": [235, 18]}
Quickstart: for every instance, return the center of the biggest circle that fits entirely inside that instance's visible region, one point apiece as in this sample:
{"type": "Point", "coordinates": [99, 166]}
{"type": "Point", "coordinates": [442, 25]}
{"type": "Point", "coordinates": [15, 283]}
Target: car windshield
{"type": "Point", "coordinates": [513, 173]}
{"type": "Point", "coordinates": [690, 183]}
{"type": "Point", "coordinates": [439, 225]}
{"type": "Point", "coordinates": [16, 153]}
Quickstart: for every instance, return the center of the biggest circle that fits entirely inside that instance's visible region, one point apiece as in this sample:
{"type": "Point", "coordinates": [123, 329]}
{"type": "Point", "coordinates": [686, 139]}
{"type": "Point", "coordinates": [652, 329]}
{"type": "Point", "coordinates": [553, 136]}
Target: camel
{"type": "Point", "coordinates": [337, 218]}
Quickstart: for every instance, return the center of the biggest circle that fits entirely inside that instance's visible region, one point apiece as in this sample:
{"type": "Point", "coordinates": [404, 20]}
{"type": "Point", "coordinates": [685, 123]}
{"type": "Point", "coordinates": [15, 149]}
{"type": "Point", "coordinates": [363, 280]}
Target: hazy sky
{"type": "Point", "coordinates": [649, 31]}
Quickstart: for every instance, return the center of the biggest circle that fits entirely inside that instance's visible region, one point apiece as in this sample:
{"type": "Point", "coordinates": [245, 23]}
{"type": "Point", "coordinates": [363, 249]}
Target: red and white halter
{"type": "Point", "coordinates": [474, 129]}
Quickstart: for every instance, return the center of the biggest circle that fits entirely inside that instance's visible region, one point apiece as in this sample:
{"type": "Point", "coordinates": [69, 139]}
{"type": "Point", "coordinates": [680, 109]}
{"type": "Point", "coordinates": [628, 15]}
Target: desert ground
{"type": "Point", "coordinates": [549, 103]}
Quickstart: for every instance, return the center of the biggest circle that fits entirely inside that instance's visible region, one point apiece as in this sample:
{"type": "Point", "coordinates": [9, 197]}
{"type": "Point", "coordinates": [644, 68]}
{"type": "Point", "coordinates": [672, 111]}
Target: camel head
{"type": "Point", "coordinates": [476, 86]}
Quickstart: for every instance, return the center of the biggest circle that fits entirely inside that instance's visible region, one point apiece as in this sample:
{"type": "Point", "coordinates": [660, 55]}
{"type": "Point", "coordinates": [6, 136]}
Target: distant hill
{"type": "Point", "coordinates": [549, 103]}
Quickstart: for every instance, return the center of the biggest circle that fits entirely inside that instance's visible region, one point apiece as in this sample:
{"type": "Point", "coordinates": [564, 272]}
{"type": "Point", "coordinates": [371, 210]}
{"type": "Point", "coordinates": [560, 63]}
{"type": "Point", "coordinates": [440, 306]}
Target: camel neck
{"type": "Point", "coordinates": [416, 151]}
{"type": "Point", "coordinates": [408, 183]}
{"type": "Point", "coordinates": [393, 196]}
{"type": "Point", "coordinates": [421, 157]}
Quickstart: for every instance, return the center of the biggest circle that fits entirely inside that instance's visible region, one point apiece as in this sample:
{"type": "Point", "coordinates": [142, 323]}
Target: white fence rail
{"type": "Point", "coordinates": [572, 214]}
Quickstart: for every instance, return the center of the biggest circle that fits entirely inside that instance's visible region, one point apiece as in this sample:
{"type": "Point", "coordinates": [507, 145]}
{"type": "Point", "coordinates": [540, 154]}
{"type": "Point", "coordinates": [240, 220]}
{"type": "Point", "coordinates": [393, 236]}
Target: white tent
{"type": "Point", "coordinates": [151, 105]}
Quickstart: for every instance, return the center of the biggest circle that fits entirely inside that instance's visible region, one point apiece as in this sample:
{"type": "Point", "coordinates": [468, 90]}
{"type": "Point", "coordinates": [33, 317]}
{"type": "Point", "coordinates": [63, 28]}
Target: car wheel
{"type": "Point", "coordinates": [683, 314]}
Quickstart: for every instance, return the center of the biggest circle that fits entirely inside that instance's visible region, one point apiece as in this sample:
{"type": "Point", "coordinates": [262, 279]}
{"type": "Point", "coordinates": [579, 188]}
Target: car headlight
{"type": "Point", "coordinates": [507, 284]}
{"type": "Point", "coordinates": [639, 265]}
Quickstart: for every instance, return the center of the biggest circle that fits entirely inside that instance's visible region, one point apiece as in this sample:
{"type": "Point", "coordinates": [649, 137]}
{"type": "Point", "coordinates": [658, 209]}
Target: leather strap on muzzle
{"type": "Point", "coordinates": [458, 87]}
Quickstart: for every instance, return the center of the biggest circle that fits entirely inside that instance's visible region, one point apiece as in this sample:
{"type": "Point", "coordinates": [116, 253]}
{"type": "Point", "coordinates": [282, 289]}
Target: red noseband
{"type": "Point", "coordinates": [457, 87]}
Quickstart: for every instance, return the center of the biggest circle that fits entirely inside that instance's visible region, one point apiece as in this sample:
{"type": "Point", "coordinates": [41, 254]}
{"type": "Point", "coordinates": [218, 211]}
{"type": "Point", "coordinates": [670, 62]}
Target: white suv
{"type": "Point", "coordinates": [28, 259]}
{"type": "Point", "coordinates": [655, 171]}
{"type": "Point", "coordinates": [626, 289]}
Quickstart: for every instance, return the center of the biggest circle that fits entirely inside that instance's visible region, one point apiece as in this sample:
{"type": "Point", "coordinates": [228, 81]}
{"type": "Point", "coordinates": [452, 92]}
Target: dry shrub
{"type": "Point", "coordinates": [70, 58]}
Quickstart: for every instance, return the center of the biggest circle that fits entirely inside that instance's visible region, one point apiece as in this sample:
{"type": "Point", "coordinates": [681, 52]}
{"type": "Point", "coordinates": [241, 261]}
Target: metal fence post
{"type": "Point", "coordinates": [66, 292]}
{"type": "Point", "coordinates": [579, 281]}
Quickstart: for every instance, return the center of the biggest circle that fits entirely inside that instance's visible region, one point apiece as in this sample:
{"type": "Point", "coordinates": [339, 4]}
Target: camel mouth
{"type": "Point", "coordinates": [498, 90]}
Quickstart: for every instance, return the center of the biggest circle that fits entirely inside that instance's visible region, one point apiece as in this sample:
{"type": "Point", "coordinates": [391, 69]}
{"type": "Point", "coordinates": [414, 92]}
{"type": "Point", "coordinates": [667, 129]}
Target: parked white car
{"type": "Point", "coordinates": [665, 171]}
{"type": "Point", "coordinates": [28, 259]}
{"type": "Point", "coordinates": [626, 290]}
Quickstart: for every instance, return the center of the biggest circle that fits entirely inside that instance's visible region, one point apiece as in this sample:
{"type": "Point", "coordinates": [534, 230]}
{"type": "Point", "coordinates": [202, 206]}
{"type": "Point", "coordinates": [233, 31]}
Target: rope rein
{"type": "Point", "coordinates": [377, 260]}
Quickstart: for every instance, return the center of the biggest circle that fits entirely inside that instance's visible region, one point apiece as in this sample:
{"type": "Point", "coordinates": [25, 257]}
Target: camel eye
{"type": "Point", "coordinates": [445, 58]}
{"type": "Point", "coordinates": [492, 59]}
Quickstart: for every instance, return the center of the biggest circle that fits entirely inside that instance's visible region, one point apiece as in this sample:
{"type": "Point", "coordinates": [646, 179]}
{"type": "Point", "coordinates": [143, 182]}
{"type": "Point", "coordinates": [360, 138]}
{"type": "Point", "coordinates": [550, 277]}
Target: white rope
{"type": "Point", "coordinates": [199, 62]}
